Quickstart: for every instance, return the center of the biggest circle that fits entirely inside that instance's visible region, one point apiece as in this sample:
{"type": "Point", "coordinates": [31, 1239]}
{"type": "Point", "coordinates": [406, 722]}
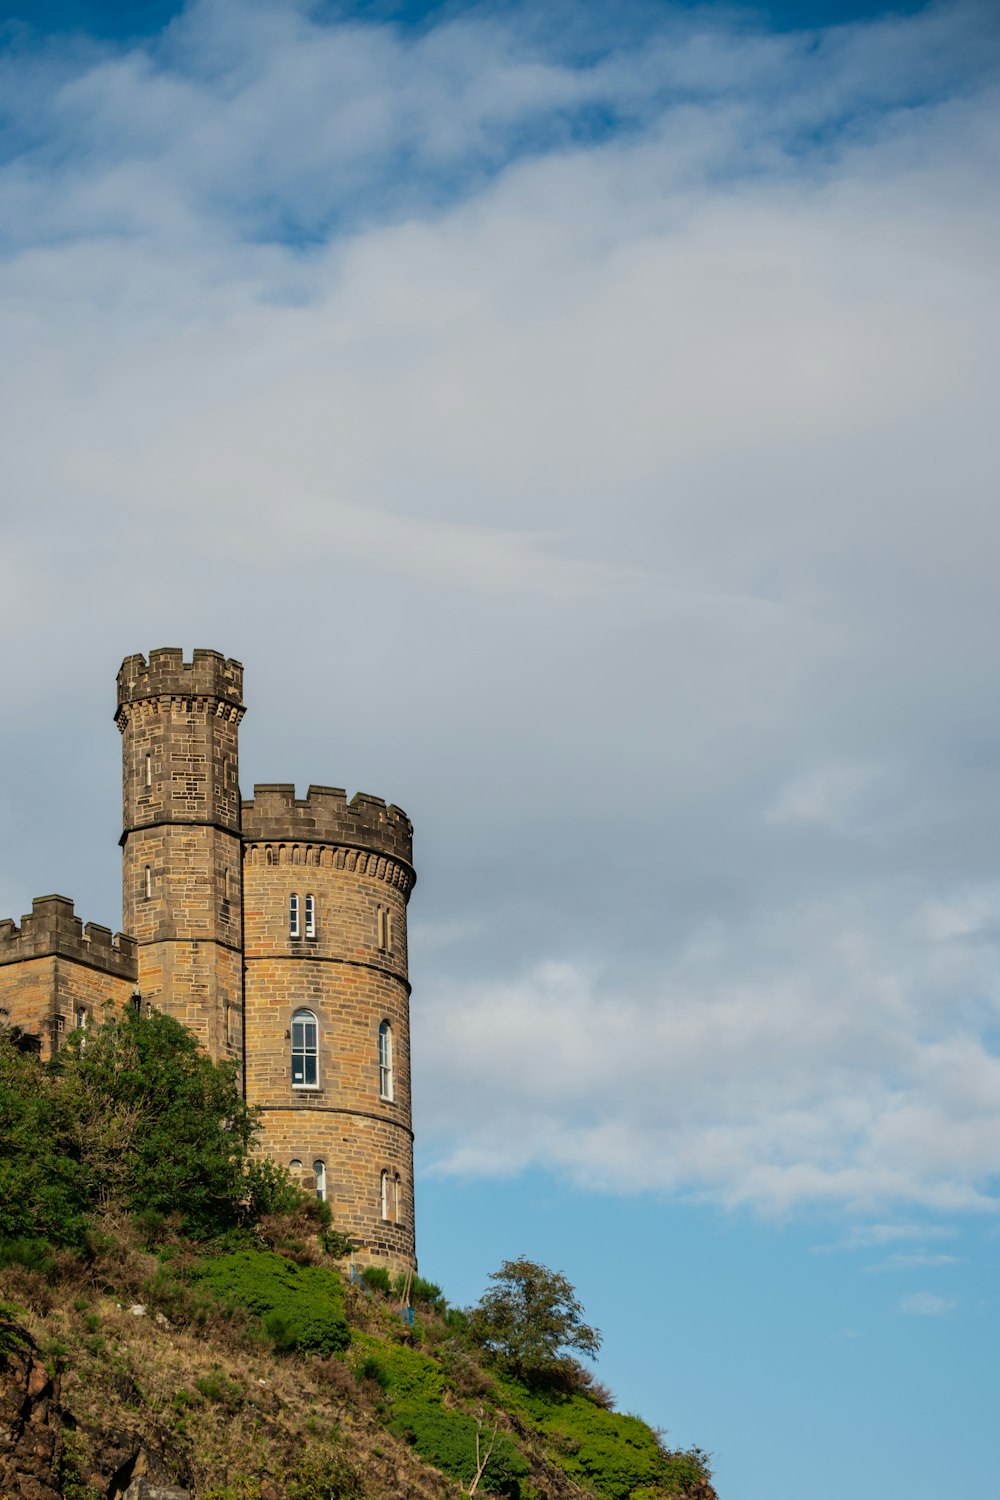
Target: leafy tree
{"type": "Point", "coordinates": [131, 1115]}
{"type": "Point", "coordinates": [529, 1318]}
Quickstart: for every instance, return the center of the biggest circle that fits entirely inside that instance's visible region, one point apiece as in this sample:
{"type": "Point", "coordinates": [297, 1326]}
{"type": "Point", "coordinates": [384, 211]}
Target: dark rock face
{"type": "Point", "coordinates": [43, 1450]}
{"type": "Point", "coordinates": [31, 1421]}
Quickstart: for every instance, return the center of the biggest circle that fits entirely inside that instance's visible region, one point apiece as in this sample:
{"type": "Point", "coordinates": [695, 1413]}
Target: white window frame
{"type": "Point", "coordinates": [384, 1189]}
{"type": "Point", "coordinates": [294, 926]}
{"type": "Point", "coordinates": [148, 882]}
{"type": "Point", "coordinates": [149, 769]}
{"type": "Point", "coordinates": [307, 1049]}
{"type": "Point", "coordinates": [385, 1080]}
{"type": "Point", "coordinates": [310, 916]}
{"type": "Point", "coordinates": [319, 1169]}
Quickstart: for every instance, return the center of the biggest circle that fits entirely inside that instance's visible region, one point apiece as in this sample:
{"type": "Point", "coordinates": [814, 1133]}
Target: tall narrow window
{"type": "Point", "coordinates": [397, 1198]}
{"type": "Point", "coordinates": [148, 882]}
{"type": "Point", "coordinates": [385, 1194]}
{"type": "Point", "coordinates": [149, 770]}
{"type": "Point", "coordinates": [388, 931]}
{"type": "Point", "coordinates": [305, 1050]}
{"type": "Point", "coordinates": [385, 1060]}
{"type": "Point", "coordinates": [381, 926]}
{"type": "Point", "coordinates": [310, 916]}
{"type": "Point", "coordinates": [293, 916]}
{"type": "Point", "coordinates": [81, 1019]}
{"type": "Point", "coordinates": [319, 1167]}
{"type": "Point", "coordinates": [269, 855]}
{"type": "Point", "coordinates": [229, 1024]}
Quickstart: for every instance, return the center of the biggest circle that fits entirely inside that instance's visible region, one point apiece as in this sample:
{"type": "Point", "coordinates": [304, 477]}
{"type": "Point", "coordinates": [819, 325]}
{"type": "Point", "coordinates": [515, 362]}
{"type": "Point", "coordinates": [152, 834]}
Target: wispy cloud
{"type": "Point", "coordinates": [595, 428]}
{"type": "Point", "coordinates": [926, 1305]}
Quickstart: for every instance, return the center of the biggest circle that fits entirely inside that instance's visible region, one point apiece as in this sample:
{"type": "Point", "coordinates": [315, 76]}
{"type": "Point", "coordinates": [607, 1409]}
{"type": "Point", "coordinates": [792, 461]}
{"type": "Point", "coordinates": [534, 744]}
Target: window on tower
{"type": "Point", "coordinates": [310, 916]}
{"type": "Point", "coordinates": [319, 1168]}
{"type": "Point", "coordinates": [148, 882]}
{"type": "Point", "coordinates": [293, 917]}
{"type": "Point", "coordinates": [305, 1050]}
{"type": "Point", "coordinates": [385, 1192]}
{"type": "Point", "coordinates": [149, 770]}
{"type": "Point", "coordinates": [385, 1060]}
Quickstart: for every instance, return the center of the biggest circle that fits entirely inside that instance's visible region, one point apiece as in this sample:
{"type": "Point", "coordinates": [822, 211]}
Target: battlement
{"type": "Point", "coordinates": [52, 929]}
{"type": "Point", "coordinates": [209, 674]}
{"type": "Point", "coordinates": [324, 816]}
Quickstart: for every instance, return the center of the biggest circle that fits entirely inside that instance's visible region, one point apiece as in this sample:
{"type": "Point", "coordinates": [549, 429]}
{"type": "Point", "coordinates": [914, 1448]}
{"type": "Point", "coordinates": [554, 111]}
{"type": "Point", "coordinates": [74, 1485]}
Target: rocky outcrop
{"type": "Point", "coordinates": [31, 1420]}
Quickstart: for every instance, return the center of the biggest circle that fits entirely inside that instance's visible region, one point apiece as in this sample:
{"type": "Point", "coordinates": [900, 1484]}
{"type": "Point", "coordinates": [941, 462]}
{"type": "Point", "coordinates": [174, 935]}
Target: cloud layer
{"type": "Point", "coordinates": [585, 434]}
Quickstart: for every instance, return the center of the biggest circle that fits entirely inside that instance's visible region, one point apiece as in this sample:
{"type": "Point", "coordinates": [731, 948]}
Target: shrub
{"type": "Point", "coordinates": [377, 1277]}
{"type": "Point", "coordinates": [300, 1307]}
{"type": "Point", "coordinates": [447, 1439]}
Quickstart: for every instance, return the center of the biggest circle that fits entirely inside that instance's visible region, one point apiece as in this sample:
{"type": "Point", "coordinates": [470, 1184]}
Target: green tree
{"type": "Point", "coordinates": [131, 1115]}
{"type": "Point", "coordinates": [529, 1318]}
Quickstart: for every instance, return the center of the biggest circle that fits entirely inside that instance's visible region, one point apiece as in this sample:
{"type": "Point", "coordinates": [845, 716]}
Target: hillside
{"type": "Point", "coordinates": [172, 1314]}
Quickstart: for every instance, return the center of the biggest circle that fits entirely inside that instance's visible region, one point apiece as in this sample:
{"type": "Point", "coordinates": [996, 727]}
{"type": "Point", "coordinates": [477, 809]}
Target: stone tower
{"type": "Point", "coordinates": [327, 1003]}
{"type": "Point", "coordinates": [181, 877]}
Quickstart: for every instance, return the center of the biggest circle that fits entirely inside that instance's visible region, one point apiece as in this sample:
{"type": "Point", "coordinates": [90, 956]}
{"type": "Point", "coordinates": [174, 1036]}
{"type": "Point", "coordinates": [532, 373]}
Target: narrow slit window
{"type": "Point", "coordinates": [319, 1168]}
{"type": "Point", "coordinates": [388, 931]}
{"type": "Point", "coordinates": [81, 1019]}
{"type": "Point", "coordinates": [385, 1060]}
{"type": "Point", "coordinates": [305, 1050]}
{"type": "Point", "coordinates": [385, 1194]}
{"type": "Point", "coordinates": [148, 882]}
{"type": "Point", "coordinates": [381, 927]}
{"type": "Point", "coordinates": [310, 916]}
{"type": "Point", "coordinates": [149, 770]}
{"type": "Point", "coordinates": [293, 916]}
{"type": "Point", "coordinates": [397, 1198]}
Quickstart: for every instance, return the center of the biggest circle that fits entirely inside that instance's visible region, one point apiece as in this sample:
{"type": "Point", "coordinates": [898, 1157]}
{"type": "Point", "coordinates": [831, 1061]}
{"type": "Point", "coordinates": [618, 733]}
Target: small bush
{"type": "Point", "coordinates": [377, 1277]}
{"type": "Point", "coordinates": [300, 1307]}
{"type": "Point", "coordinates": [447, 1439]}
{"type": "Point", "coordinates": [32, 1254]}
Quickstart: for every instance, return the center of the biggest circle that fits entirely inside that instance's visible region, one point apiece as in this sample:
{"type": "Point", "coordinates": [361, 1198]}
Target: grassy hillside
{"type": "Point", "coordinates": [221, 1347]}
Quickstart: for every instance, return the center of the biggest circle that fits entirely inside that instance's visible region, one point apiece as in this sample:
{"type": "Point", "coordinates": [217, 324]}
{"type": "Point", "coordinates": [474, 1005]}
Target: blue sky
{"type": "Point", "coordinates": [581, 422]}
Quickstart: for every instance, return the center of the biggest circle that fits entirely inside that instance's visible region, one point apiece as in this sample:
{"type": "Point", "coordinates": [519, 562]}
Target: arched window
{"type": "Point", "coordinates": [397, 1198]}
{"type": "Point", "coordinates": [293, 916]}
{"type": "Point", "coordinates": [310, 916]}
{"type": "Point", "coordinates": [295, 1167]}
{"type": "Point", "coordinates": [269, 855]}
{"type": "Point", "coordinates": [319, 1167]}
{"type": "Point", "coordinates": [385, 1194]}
{"type": "Point", "coordinates": [305, 1050]}
{"type": "Point", "coordinates": [385, 1061]}
{"type": "Point", "coordinates": [81, 1019]}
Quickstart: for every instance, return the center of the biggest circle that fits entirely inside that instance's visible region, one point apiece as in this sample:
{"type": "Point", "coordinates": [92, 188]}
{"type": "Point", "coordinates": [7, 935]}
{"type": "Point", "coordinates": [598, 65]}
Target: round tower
{"type": "Point", "coordinates": [326, 883]}
{"type": "Point", "coordinates": [182, 867]}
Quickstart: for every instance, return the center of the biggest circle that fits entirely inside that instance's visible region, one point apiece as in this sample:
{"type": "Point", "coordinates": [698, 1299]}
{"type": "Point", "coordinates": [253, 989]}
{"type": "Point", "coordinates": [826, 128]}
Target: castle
{"type": "Point", "coordinates": [274, 928]}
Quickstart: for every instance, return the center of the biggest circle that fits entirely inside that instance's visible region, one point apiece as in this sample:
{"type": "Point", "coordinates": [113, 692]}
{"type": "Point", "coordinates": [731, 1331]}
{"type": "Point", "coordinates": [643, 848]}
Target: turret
{"type": "Point", "coordinates": [181, 875]}
{"type": "Point", "coordinates": [327, 1004]}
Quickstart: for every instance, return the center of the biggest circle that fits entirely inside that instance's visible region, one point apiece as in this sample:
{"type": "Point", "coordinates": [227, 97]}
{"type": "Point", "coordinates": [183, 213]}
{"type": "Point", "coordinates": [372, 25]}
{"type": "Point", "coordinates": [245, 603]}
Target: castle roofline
{"type": "Point", "coordinates": [324, 816]}
{"type": "Point", "coordinates": [52, 929]}
{"type": "Point", "coordinates": [208, 674]}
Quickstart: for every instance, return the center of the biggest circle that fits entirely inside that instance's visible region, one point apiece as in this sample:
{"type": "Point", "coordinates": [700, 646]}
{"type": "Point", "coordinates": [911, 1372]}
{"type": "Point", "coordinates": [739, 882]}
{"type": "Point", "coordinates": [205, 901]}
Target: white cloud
{"type": "Point", "coordinates": [807, 1062]}
{"type": "Point", "coordinates": [926, 1305]}
{"type": "Point", "coordinates": [619, 500]}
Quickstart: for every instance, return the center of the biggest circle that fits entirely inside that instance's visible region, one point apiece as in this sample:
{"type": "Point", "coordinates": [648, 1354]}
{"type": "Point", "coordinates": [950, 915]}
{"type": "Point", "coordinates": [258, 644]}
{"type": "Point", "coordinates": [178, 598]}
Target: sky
{"type": "Point", "coordinates": [581, 422]}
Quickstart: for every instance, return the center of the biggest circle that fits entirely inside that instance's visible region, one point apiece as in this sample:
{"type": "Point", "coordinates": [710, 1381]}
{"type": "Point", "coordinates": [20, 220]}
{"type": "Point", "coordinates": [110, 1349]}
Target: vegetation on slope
{"type": "Point", "coordinates": [196, 1324]}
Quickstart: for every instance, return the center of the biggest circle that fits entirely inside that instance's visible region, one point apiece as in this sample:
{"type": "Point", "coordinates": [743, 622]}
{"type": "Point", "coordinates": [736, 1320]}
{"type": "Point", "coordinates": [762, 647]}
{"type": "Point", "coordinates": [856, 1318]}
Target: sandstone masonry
{"type": "Point", "coordinates": [275, 928]}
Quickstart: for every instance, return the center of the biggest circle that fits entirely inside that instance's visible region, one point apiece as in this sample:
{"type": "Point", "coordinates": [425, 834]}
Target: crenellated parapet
{"type": "Point", "coordinates": [209, 678]}
{"type": "Point", "coordinates": [324, 819]}
{"type": "Point", "coordinates": [52, 929]}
